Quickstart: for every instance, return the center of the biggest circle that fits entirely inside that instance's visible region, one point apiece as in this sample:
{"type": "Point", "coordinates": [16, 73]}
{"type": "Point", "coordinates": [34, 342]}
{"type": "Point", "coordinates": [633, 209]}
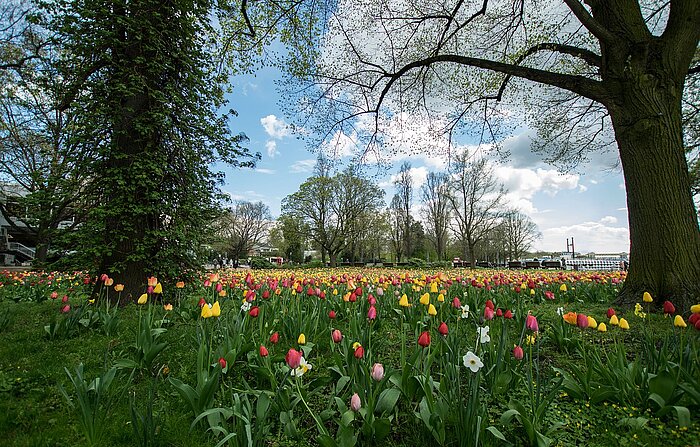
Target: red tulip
{"type": "Point", "coordinates": [54, 295]}
{"type": "Point", "coordinates": [359, 352]}
{"type": "Point", "coordinates": [531, 323]}
{"type": "Point", "coordinates": [266, 294]}
{"type": "Point", "coordinates": [669, 308]}
{"type": "Point", "coordinates": [372, 313]}
{"type": "Point", "coordinates": [694, 318]}
{"type": "Point", "coordinates": [518, 353]}
{"type": "Point", "coordinates": [274, 338]}
{"type": "Point", "coordinates": [424, 339]}
{"type": "Point", "coordinates": [222, 362]}
{"type": "Point", "coordinates": [456, 303]}
{"type": "Point", "coordinates": [697, 325]}
{"type": "Point", "coordinates": [582, 321]}
{"type": "Point", "coordinates": [508, 314]}
{"type": "Point", "coordinates": [65, 309]}
{"type": "Point", "coordinates": [64, 299]}
{"type": "Point", "coordinates": [263, 351]}
{"type": "Point", "coordinates": [611, 312]}
{"type": "Point", "coordinates": [499, 312]}
{"type": "Point", "coordinates": [442, 329]}
{"type": "Point", "coordinates": [358, 291]}
{"type": "Point", "coordinates": [293, 358]}
{"type": "Point", "coordinates": [549, 294]}
{"type": "Point", "coordinates": [331, 315]}
{"type": "Point", "coordinates": [488, 313]}
{"type": "Point", "coordinates": [489, 304]}
{"type": "Point", "coordinates": [371, 300]}
{"type": "Point", "coordinates": [202, 302]}
{"type": "Point", "coordinates": [337, 336]}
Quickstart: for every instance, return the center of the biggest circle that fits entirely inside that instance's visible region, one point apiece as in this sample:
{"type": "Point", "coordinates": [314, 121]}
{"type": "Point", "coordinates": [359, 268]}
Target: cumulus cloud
{"type": "Point", "coordinates": [265, 171]}
{"type": "Point", "coordinates": [302, 166]}
{"type": "Point", "coordinates": [608, 220]}
{"type": "Point", "coordinates": [275, 127]}
{"type": "Point", "coordinates": [590, 236]}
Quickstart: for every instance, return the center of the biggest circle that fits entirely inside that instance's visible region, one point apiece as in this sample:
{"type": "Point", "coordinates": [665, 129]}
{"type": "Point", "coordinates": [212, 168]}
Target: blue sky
{"type": "Point", "coordinates": [587, 204]}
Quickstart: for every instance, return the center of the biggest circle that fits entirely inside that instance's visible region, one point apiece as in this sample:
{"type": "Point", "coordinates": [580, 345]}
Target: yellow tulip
{"type": "Point", "coordinates": [592, 323]}
{"type": "Point", "coordinates": [441, 298]}
{"type": "Point", "coordinates": [431, 310]}
{"type": "Point", "coordinates": [695, 309]}
{"type": "Point", "coordinates": [647, 297]}
{"type": "Point", "coordinates": [158, 288]}
{"type": "Point", "coordinates": [602, 327]}
{"type": "Point", "coordinates": [403, 302]}
{"type": "Point", "coordinates": [143, 298]}
{"type": "Point", "coordinates": [119, 287]}
{"type": "Point", "coordinates": [302, 339]}
{"type": "Point", "coordinates": [168, 307]}
{"type": "Point", "coordinates": [215, 309]}
{"type": "Point", "coordinates": [425, 299]}
{"type": "Point", "coordinates": [624, 324]}
{"type": "Point", "coordinates": [433, 287]}
{"type": "Point", "coordinates": [180, 284]}
{"type": "Point", "coordinates": [532, 291]}
{"type": "Point", "coordinates": [206, 311]}
{"type": "Point", "coordinates": [562, 288]}
{"type": "Point", "coordinates": [614, 321]}
{"type": "Point", "coordinates": [678, 321]}
{"type": "Point", "coordinates": [222, 293]}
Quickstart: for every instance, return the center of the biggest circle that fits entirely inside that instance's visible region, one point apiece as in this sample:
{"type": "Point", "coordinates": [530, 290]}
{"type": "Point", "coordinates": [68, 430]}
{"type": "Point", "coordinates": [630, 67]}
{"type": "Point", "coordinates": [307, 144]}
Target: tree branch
{"type": "Point", "coordinates": [587, 20]}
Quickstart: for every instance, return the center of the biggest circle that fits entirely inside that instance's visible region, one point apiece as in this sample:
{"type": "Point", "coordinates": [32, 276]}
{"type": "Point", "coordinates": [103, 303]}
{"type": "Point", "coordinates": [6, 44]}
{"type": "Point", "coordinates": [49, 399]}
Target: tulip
{"type": "Point", "coordinates": [441, 298]}
{"type": "Point", "coordinates": [119, 287]}
{"type": "Point", "coordinates": [678, 321]}
{"type": "Point", "coordinates": [254, 311]}
{"type": "Point", "coordinates": [442, 329]}
{"type": "Point", "coordinates": [647, 297]}
{"type": "Point", "coordinates": [499, 312]}
{"type": "Point", "coordinates": [592, 323]}
{"type": "Point", "coordinates": [65, 309]}
{"type": "Point", "coordinates": [518, 353]}
{"type": "Point", "coordinates": [562, 288]}
{"type": "Point", "coordinates": [403, 302]}
{"type": "Point", "coordinates": [425, 299]}
{"type": "Point", "coordinates": [508, 315]}
{"type": "Point", "coordinates": [168, 307]}
{"type": "Point", "coordinates": [274, 338]}
{"type": "Point", "coordinates": [158, 288]}
{"type": "Point", "coordinates": [456, 303]}
{"type": "Point", "coordinates": [532, 292]}
{"type": "Point", "coordinates": [611, 312]}
{"type": "Point", "coordinates": [531, 323]}
{"type": "Point", "coordinates": [180, 285]}
{"type": "Point", "coordinates": [293, 358]}
{"type": "Point", "coordinates": [669, 308]}
{"type": "Point", "coordinates": [222, 362]}
{"type": "Point", "coordinates": [266, 294]}
{"type": "Point", "coordinates": [64, 299]}
{"type": "Point", "coordinates": [372, 313]}
{"type": "Point", "coordinates": [152, 281]}
{"type": "Point", "coordinates": [206, 311]}
{"type": "Point", "coordinates": [142, 299]}
{"type": "Point", "coordinates": [355, 403]}
{"type": "Point", "coordinates": [488, 313]}
{"type": "Point", "coordinates": [431, 310]}
{"type": "Point", "coordinates": [109, 282]}
{"type": "Point", "coordinates": [582, 321]}
{"type": "Point", "coordinates": [695, 308]}
{"type": "Point", "coordinates": [301, 339]}
{"type": "Point", "coordinates": [104, 277]}
{"type": "Point", "coordinates": [263, 351]}
{"type": "Point", "coordinates": [694, 318]}
{"type": "Point", "coordinates": [149, 290]}
{"type": "Point", "coordinates": [331, 315]}
{"type": "Point", "coordinates": [490, 305]}
{"type": "Point", "coordinates": [371, 300]}
{"type": "Point", "coordinates": [377, 372]}
{"type": "Point", "coordinates": [697, 325]}
{"type": "Point", "coordinates": [215, 309]}
{"type": "Point", "coordinates": [624, 324]}
{"type": "Point", "coordinates": [337, 336]}
{"type": "Point", "coordinates": [602, 327]}
{"type": "Point", "coordinates": [424, 339]}
{"type": "Point", "coordinates": [549, 294]}
{"type": "Point", "coordinates": [359, 352]}
{"type": "Point", "coordinates": [614, 321]}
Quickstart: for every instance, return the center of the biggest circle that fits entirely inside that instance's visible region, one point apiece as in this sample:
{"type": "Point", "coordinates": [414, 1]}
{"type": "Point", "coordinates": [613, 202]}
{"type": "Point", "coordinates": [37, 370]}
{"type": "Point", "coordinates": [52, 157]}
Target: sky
{"type": "Point", "coordinates": [587, 204]}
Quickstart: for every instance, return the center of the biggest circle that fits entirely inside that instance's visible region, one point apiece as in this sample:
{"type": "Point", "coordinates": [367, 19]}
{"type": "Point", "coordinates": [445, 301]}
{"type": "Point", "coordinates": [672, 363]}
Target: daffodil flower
{"type": "Point", "coordinates": [472, 362]}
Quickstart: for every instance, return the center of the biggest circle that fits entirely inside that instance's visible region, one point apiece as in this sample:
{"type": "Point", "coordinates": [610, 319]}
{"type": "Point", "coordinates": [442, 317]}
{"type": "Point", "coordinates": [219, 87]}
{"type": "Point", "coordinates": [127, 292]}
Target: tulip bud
{"type": "Point", "coordinates": [372, 313]}
{"type": "Point", "coordinates": [359, 352]}
{"type": "Point", "coordinates": [518, 353]}
{"type": "Point", "coordinates": [508, 315]}
{"type": "Point", "coordinates": [424, 339]}
{"type": "Point", "coordinates": [442, 329]}
{"type": "Point", "coordinates": [611, 312]}
{"type": "Point", "coordinates": [254, 311]}
{"type": "Point", "coordinates": [456, 303]}
{"type": "Point", "coordinates": [669, 308]}
{"type": "Point", "coordinates": [531, 323]}
{"type": "Point", "coordinates": [582, 321]}
{"type": "Point", "coordinates": [222, 362]}
{"type": "Point", "coordinates": [293, 358]}
{"type": "Point", "coordinates": [377, 372]}
{"type": "Point", "coordinates": [331, 315]}
{"type": "Point", "coordinates": [263, 351]}
{"type": "Point", "coordinates": [337, 336]}
{"type": "Point", "coordinates": [488, 313]}
{"type": "Point", "coordinates": [355, 403]}
{"type": "Point", "coordinates": [274, 338]}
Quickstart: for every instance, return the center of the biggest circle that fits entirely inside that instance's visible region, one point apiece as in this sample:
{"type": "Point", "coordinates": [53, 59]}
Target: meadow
{"type": "Point", "coordinates": [345, 357]}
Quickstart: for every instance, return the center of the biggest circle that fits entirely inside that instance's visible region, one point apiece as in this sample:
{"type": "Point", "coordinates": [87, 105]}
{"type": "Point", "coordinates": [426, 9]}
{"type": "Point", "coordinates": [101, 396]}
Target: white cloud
{"type": "Point", "coordinates": [418, 176]}
{"type": "Point", "coordinates": [275, 127]}
{"type": "Point", "coordinates": [624, 208]}
{"type": "Point", "coordinates": [271, 147]}
{"type": "Point", "coordinates": [524, 183]}
{"type": "Point", "coordinates": [265, 171]}
{"type": "Point", "coordinates": [302, 166]}
{"type": "Point", "coordinates": [589, 236]}
{"type": "Point", "coordinates": [582, 188]}
{"type": "Point", "coordinates": [593, 182]}
{"type": "Point", "coordinates": [341, 145]}
{"type": "Point", "coordinates": [608, 220]}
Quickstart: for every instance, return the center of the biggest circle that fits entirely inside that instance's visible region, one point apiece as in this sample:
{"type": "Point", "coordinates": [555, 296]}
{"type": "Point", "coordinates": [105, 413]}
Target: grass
{"type": "Point", "coordinates": [33, 412]}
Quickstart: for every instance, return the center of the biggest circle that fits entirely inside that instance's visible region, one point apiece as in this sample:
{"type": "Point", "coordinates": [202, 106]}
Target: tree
{"type": "Point", "coordinates": [615, 73]}
{"type": "Point", "coordinates": [243, 227]}
{"type": "Point", "coordinates": [519, 232]}
{"type": "Point", "coordinates": [475, 199]}
{"type": "Point", "coordinates": [330, 208]}
{"type": "Point", "coordinates": [436, 211]}
{"type": "Point", "coordinates": [396, 224]}
{"type": "Point", "coordinates": [146, 95]}
{"type": "Point", "coordinates": [292, 240]}
{"type": "Point", "coordinates": [404, 191]}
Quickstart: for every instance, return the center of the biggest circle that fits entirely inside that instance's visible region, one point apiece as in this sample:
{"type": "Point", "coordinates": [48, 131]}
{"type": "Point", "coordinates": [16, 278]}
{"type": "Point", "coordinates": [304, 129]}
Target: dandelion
{"type": "Point", "coordinates": [472, 362]}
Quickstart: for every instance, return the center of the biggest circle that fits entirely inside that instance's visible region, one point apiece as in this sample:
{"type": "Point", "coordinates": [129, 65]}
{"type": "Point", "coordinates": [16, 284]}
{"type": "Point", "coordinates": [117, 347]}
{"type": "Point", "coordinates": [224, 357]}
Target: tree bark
{"type": "Point", "coordinates": [664, 234]}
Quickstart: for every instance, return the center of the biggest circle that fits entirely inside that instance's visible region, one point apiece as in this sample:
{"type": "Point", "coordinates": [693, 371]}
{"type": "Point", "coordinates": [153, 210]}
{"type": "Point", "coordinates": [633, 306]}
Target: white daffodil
{"type": "Point", "coordinates": [483, 332]}
{"type": "Point", "coordinates": [560, 311]}
{"type": "Point", "coordinates": [465, 311]}
{"type": "Point", "coordinates": [245, 307]}
{"type": "Point", "coordinates": [303, 367]}
{"type": "Point", "coordinates": [472, 362]}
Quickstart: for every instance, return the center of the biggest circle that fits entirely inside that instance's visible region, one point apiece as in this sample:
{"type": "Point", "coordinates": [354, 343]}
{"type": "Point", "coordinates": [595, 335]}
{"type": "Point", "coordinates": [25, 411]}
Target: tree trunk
{"type": "Point", "coordinates": [664, 236]}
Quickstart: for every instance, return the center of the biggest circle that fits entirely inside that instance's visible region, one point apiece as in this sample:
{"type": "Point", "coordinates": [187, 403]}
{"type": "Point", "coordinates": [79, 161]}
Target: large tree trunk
{"type": "Point", "coordinates": [664, 235]}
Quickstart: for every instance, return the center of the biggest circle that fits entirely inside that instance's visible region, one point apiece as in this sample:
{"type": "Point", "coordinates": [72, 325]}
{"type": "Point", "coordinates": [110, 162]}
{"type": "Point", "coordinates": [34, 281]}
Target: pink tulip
{"type": "Point", "coordinates": [355, 403]}
{"type": "Point", "coordinates": [531, 323]}
{"type": "Point", "coordinates": [518, 353]}
{"type": "Point", "coordinates": [372, 313]}
{"type": "Point", "coordinates": [293, 358]}
{"type": "Point", "coordinates": [377, 372]}
{"type": "Point", "coordinates": [337, 336]}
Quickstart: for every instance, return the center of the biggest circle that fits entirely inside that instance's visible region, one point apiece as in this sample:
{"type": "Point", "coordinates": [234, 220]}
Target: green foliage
{"type": "Point", "coordinates": [261, 263]}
